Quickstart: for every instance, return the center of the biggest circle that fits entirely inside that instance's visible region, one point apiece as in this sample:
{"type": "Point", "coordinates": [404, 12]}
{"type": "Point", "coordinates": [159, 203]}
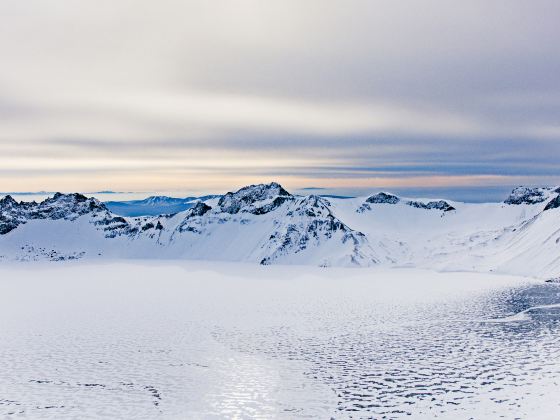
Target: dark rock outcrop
{"type": "Point", "coordinates": [383, 198]}
{"type": "Point", "coordinates": [525, 195]}
{"type": "Point", "coordinates": [379, 198]}
{"type": "Point", "coordinates": [310, 223]}
{"type": "Point", "coordinates": [247, 199]}
{"type": "Point", "coordinates": [199, 209]}
{"type": "Point", "coordinates": [553, 204]}
{"type": "Point", "coordinates": [432, 205]}
{"type": "Point", "coordinates": [192, 219]}
{"type": "Point", "coordinates": [60, 206]}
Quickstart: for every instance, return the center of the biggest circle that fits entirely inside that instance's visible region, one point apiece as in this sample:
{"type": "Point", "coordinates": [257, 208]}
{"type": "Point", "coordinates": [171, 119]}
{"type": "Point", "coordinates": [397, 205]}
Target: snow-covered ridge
{"type": "Point", "coordinates": [266, 224]}
{"type": "Point", "coordinates": [261, 223]}
{"type": "Point", "coordinates": [60, 206]}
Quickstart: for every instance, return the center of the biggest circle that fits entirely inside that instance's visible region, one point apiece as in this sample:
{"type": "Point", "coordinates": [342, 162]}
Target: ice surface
{"type": "Point", "coordinates": [206, 340]}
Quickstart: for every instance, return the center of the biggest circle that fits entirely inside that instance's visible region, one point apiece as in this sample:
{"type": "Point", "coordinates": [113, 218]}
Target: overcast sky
{"type": "Point", "coordinates": [209, 95]}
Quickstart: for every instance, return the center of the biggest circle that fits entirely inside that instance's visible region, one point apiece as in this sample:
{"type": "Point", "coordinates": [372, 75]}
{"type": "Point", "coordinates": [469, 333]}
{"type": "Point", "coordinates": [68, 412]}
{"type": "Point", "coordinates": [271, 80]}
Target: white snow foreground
{"type": "Point", "coordinates": [268, 225]}
{"type": "Point", "coordinates": [207, 340]}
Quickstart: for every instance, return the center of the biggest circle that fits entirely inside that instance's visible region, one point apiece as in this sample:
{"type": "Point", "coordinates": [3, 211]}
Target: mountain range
{"type": "Point", "coordinates": [266, 224]}
{"type": "Point", "coordinates": [154, 205]}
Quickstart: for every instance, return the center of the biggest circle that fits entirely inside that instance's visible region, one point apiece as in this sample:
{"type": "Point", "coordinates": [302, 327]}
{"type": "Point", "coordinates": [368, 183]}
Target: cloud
{"type": "Point", "coordinates": [314, 89]}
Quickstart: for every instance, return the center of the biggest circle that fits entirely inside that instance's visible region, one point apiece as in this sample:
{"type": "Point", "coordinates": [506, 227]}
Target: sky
{"type": "Point", "coordinates": [210, 95]}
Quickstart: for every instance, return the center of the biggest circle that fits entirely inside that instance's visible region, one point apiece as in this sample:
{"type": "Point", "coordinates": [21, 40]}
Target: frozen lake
{"type": "Point", "coordinates": [200, 340]}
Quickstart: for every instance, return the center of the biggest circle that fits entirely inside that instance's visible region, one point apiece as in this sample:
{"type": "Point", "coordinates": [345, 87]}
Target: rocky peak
{"type": "Point", "coordinates": [432, 205]}
{"type": "Point", "coordinates": [7, 201]}
{"type": "Point", "coordinates": [525, 195]}
{"type": "Point", "coordinates": [60, 206]}
{"type": "Point", "coordinates": [247, 198]}
{"type": "Point", "coordinates": [60, 199]}
{"type": "Point", "coordinates": [68, 206]}
{"type": "Point", "coordinates": [383, 198]}
{"type": "Point", "coordinates": [310, 223]}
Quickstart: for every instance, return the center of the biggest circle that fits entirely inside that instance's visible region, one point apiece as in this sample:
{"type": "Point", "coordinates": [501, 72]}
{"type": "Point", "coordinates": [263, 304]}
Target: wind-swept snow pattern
{"type": "Point", "coordinates": [266, 224]}
{"type": "Point", "coordinates": [196, 340]}
{"type": "Point", "coordinates": [527, 314]}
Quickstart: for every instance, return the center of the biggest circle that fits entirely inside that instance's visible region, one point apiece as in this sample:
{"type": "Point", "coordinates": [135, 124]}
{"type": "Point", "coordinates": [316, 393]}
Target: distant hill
{"type": "Point", "coordinates": [154, 205]}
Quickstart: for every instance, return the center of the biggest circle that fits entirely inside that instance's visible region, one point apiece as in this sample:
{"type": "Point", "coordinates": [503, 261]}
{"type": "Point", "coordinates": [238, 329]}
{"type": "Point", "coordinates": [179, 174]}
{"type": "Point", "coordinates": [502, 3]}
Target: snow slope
{"type": "Point", "coordinates": [266, 224]}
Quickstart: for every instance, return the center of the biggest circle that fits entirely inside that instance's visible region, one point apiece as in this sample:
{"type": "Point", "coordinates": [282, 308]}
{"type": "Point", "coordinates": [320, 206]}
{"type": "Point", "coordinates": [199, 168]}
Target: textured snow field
{"type": "Point", "coordinates": [205, 340]}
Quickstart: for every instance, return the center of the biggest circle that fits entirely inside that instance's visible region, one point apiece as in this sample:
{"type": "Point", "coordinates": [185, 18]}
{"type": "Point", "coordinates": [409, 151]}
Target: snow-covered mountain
{"type": "Point", "coordinates": [266, 224]}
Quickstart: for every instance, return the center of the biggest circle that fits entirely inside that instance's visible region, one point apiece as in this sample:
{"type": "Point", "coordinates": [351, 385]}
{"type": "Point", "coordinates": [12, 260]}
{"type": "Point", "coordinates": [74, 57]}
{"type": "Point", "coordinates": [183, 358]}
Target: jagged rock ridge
{"type": "Point", "coordinates": [60, 206]}
{"type": "Point", "coordinates": [309, 223]}
{"type": "Point", "coordinates": [386, 198]}
{"type": "Point", "coordinates": [383, 198]}
{"type": "Point", "coordinates": [247, 199]}
{"type": "Point", "coordinates": [265, 223]}
{"type": "Point", "coordinates": [431, 205]}
{"type": "Point", "coordinates": [270, 225]}
{"type": "Point", "coordinates": [526, 195]}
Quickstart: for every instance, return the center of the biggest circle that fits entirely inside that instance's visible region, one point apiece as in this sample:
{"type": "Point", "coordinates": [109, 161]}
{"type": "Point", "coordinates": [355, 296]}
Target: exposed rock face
{"type": "Point", "coordinates": [311, 206]}
{"type": "Point", "coordinates": [114, 226]}
{"type": "Point", "coordinates": [60, 206]}
{"type": "Point", "coordinates": [432, 205]}
{"type": "Point", "coordinates": [255, 199]}
{"type": "Point", "coordinates": [268, 207]}
{"type": "Point", "coordinates": [148, 226]}
{"type": "Point", "coordinates": [310, 223]}
{"type": "Point", "coordinates": [10, 215]}
{"type": "Point", "coordinates": [199, 209]}
{"type": "Point", "coordinates": [196, 213]}
{"type": "Point", "coordinates": [553, 204]}
{"type": "Point", "coordinates": [383, 198]}
{"type": "Point", "coordinates": [379, 198]}
{"type": "Point", "coordinates": [68, 206]}
{"type": "Point", "coordinates": [64, 207]}
{"type": "Point", "coordinates": [7, 202]}
{"type": "Point", "coordinates": [525, 195]}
